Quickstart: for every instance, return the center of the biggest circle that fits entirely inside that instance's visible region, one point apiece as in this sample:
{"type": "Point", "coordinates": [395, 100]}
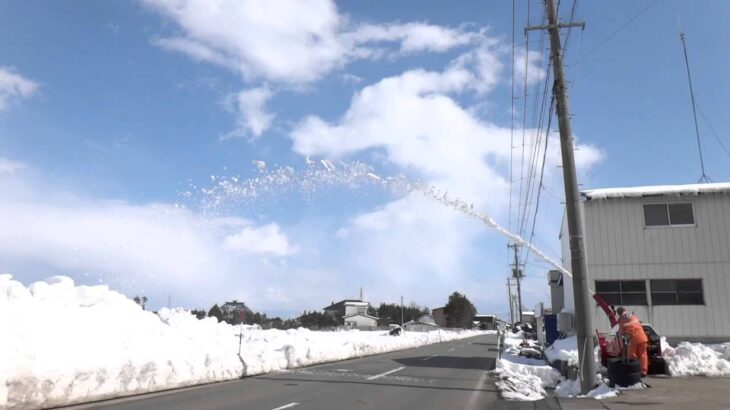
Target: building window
{"type": "Point", "coordinates": [668, 214]}
{"type": "Point", "coordinates": [622, 292]}
{"type": "Point", "coordinates": [677, 292]}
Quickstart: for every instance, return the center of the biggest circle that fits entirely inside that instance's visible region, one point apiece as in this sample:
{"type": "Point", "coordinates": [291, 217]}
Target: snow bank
{"type": "Point", "coordinates": [526, 379]}
{"type": "Point", "coordinates": [696, 359]}
{"type": "Point", "coordinates": [63, 344]}
{"type": "Point", "coordinates": [522, 378]}
{"type": "Point", "coordinates": [563, 349]}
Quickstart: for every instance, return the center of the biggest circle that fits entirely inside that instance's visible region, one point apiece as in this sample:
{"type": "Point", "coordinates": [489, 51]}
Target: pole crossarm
{"type": "Point", "coordinates": [580, 24]}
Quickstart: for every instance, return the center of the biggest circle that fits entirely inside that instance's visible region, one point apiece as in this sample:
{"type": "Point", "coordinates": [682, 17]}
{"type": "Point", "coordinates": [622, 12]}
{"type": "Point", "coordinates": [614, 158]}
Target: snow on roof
{"type": "Point", "coordinates": [677, 190]}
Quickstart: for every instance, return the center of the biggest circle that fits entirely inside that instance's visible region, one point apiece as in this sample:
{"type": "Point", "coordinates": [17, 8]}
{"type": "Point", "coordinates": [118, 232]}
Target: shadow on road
{"type": "Point", "coordinates": [488, 387]}
{"type": "Point", "coordinates": [453, 362]}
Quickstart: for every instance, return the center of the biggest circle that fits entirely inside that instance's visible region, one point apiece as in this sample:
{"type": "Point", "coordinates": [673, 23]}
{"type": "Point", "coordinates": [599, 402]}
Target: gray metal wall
{"type": "Point", "coordinates": [618, 246]}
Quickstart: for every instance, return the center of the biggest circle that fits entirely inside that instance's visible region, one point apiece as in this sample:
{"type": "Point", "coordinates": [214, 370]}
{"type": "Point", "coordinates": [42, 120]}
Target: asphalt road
{"type": "Point", "coordinates": [450, 375]}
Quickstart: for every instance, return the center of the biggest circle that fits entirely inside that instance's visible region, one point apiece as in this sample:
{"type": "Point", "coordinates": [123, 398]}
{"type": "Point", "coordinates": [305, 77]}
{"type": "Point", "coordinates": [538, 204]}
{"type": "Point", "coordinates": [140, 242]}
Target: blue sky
{"type": "Point", "coordinates": [109, 111]}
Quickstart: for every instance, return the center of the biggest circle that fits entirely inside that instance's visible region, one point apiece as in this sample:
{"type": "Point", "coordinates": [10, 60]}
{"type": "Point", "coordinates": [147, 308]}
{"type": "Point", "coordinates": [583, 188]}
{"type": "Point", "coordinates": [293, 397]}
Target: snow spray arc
{"type": "Point", "coordinates": [229, 191]}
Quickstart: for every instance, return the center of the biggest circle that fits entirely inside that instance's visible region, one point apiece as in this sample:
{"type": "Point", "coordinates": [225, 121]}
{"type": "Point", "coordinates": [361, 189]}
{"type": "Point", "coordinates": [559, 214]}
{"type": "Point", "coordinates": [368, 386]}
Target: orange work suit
{"type": "Point", "coordinates": [638, 342]}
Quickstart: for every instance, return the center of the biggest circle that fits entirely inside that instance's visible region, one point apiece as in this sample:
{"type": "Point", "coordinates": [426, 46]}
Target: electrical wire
{"type": "Point", "coordinates": [613, 34]}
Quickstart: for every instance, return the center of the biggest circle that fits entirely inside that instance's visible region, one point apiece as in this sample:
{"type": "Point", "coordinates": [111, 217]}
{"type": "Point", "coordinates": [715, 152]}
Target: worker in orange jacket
{"type": "Point", "coordinates": [638, 342]}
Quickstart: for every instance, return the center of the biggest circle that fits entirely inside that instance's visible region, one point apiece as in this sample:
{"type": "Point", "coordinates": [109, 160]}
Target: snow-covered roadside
{"type": "Point", "coordinates": [63, 344]}
{"type": "Point", "coordinates": [696, 359]}
{"type": "Point", "coordinates": [522, 378]}
{"type": "Point", "coordinates": [527, 379]}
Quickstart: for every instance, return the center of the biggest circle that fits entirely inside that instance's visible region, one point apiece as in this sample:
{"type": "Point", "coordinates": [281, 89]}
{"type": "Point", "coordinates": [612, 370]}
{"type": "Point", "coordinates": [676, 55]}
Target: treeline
{"type": "Point", "coordinates": [459, 312]}
{"type": "Point", "coordinates": [387, 313]}
{"type": "Point", "coordinates": [390, 313]}
{"type": "Point", "coordinates": [248, 318]}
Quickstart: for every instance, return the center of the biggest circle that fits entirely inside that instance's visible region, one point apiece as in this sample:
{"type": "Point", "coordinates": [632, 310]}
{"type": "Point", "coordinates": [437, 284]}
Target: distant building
{"type": "Point", "coordinates": [361, 321]}
{"type": "Point", "coordinates": [235, 311]}
{"type": "Point", "coordinates": [338, 310]}
{"type": "Point", "coordinates": [485, 322]}
{"type": "Point", "coordinates": [439, 317]}
{"type": "Point", "coordinates": [352, 313]}
{"type": "Point", "coordinates": [425, 323]}
{"type": "Point", "coordinates": [661, 251]}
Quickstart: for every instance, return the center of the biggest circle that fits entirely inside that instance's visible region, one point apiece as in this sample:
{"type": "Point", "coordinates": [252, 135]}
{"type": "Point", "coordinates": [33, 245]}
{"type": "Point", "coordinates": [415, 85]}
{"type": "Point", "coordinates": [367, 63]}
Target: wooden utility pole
{"type": "Point", "coordinates": [517, 274]}
{"type": "Point", "coordinates": [583, 325]}
{"type": "Point", "coordinates": [509, 299]}
{"type": "Point", "coordinates": [401, 311]}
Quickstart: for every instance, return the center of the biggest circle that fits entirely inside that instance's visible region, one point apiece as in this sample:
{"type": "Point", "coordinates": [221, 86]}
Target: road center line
{"type": "Point", "coordinates": [377, 376]}
{"type": "Point", "coordinates": [430, 357]}
{"type": "Point", "coordinates": [286, 406]}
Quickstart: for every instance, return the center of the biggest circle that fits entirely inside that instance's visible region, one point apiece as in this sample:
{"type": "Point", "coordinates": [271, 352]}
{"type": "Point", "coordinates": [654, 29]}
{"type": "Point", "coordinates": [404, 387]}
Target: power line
{"type": "Point", "coordinates": [613, 34]}
{"type": "Point", "coordinates": [524, 119]}
{"type": "Point", "coordinates": [542, 171]}
{"type": "Point", "coordinates": [512, 118]}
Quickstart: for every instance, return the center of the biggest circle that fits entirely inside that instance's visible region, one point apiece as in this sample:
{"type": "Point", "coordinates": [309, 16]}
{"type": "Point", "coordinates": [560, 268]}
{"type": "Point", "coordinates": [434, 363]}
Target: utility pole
{"type": "Point", "coordinates": [584, 333]}
{"type": "Point", "coordinates": [517, 274]}
{"type": "Point", "coordinates": [509, 299]}
{"type": "Point", "coordinates": [401, 311]}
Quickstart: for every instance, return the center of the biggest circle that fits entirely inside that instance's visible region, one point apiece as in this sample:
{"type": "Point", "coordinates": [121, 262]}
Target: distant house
{"type": "Point", "coordinates": [661, 251]}
{"type": "Point", "coordinates": [486, 322]}
{"type": "Point", "coordinates": [352, 313]}
{"type": "Point", "coordinates": [360, 321]}
{"type": "Point", "coordinates": [235, 311]}
{"type": "Point", "coordinates": [439, 317]}
{"type": "Point", "coordinates": [424, 323]}
{"type": "Point", "coordinates": [338, 310]}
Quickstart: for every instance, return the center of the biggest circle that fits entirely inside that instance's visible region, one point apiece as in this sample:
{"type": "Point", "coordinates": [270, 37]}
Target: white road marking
{"type": "Point", "coordinates": [286, 406]}
{"type": "Point", "coordinates": [452, 349]}
{"type": "Point", "coordinates": [471, 404]}
{"type": "Point", "coordinates": [430, 357]}
{"type": "Point", "coordinates": [377, 376]}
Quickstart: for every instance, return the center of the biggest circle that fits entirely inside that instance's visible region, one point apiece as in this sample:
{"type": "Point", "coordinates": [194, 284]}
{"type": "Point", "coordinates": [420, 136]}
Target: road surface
{"type": "Point", "coordinates": [449, 375]}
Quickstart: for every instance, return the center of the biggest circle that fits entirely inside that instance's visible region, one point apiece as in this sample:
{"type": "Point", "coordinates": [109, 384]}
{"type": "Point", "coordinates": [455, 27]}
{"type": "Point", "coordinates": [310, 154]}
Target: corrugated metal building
{"type": "Point", "coordinates": [664, 253]}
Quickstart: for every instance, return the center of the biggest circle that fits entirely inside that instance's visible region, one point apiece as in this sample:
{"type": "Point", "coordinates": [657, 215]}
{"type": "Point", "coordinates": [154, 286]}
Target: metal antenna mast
{"type": "Point", "coordinates": [704, 177]}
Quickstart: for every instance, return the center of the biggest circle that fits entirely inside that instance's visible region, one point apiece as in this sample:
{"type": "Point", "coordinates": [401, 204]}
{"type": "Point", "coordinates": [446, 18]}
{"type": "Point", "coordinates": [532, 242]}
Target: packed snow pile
{"type": "Point", "coordinates": [696, 359]}
{"type": "Point", "coordinates": [563, 349]}
{"type": "Point", "coordinates": [64, 343]}
{"type": "Point", "coordinates": [571, 388]}
{"type": "Point", "coordinates": [523, 378]}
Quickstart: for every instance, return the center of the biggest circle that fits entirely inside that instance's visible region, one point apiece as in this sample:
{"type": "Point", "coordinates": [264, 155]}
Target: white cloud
{"type": "Point", "coordinates": [529, 66]}
{"type": "Point", "coordinates": [14, 86]}
{"type": "Point", "coordinates": [413, 37]}
{"type": "Point", "coordinates": [9, 167]}
{"type": "Point", "coordinates": [291, 41]}
{"type": "Point", "coordinates": [250, 106]}
{"type": "Point", "coordinates": [267, 239]}
{"type": "Point", "coordinates": [421, 128]}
